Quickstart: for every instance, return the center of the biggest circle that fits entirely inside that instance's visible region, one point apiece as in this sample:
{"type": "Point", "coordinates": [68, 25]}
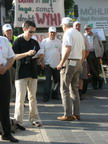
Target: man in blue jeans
{"type": "Point", "coordinates": [52, 51]}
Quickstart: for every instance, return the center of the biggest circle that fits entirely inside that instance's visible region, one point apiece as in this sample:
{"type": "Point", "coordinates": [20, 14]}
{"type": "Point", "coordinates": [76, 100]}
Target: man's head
{"type": "Point", "coordinates": [66, 23]}
{"type": "Point", "coordinates": [52, 32]}
{"type": "Point", "coordinates": [88, 29]}
{"type": "Point", "coordinates": [7, 31]}
{"type": "Point", "coordinates": [29, 28]}
{"type": "Point", "coordinates": [77, 25]}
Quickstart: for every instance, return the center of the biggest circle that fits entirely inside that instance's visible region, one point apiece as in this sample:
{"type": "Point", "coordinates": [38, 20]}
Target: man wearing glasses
{"type": "Point", "coordinates": [26, 73]}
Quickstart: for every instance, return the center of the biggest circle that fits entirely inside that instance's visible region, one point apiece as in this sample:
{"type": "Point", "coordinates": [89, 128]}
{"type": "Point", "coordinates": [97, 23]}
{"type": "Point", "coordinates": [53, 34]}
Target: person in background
{"type": "Point", "coordinates": [26, 74]}
{"type": "Point", "coordinates": [73, 49]}
{"type": "Point", "coordinates": [84, 74]}
{"type": "Point", "coordinates": [6, 61]}
{"type": "Point", "coordinates": [96, 51]}
{"type": "Point", "coordinates": [8, 33]}
{"type": "Point", "coordinates": [52, 52]}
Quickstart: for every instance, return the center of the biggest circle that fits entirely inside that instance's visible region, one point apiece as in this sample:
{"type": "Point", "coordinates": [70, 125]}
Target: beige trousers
{"type": "Point", "coordinates": [69, 80]}
{"type": "Point", "coordinates": [22, 86]}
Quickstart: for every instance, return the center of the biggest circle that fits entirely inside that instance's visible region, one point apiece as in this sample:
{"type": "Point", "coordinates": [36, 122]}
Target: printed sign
{"type": "Point", "coordinates": [100, 33]}
{"type": "Point", "coordinates": [93, 12]}
{"type": "Point", "coordinates": [41, 36]}
{"type": "Point", "coordinates": [44, 13]}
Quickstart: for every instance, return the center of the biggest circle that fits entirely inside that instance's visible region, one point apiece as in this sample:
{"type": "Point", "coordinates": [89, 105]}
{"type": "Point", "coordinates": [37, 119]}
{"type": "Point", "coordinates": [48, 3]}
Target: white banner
{"type": "Point", "coordinates": [94, 12]}
{"type": "Point", "coordinates": [41, 36]}
{"type": "Point", "coordinates": [44, 13]}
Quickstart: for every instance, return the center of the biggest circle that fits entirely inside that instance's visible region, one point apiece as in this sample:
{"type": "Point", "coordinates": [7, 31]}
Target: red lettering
{"type": "Point", "coordinates": [48, 18]}
{"type": "Point", "coordinates": [39, 20]}
{"type": "Point", "coordinates": [40, 38]}
{"type": "Point", "coordinates": [59, 18]}
{"type": "Point", "coordinates": [53, 19]}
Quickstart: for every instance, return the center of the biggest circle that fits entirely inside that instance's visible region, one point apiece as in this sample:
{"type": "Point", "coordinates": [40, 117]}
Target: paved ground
{"type": "Point", "coordinates": [91, 129]}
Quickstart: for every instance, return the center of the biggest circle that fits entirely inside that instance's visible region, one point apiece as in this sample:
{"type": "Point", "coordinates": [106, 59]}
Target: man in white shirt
{"type": "Point", "coordinates": [6, 61]}
{"type": "Point", "coordinates": [8, 33]}
{"type": "Point", "coordinates": [71, 67]}
{"type": "Point", "coordinates": [52, 51]}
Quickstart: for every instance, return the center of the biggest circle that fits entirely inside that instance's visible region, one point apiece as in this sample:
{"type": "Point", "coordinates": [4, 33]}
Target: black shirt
{"type": "Point", "coordinates": [25, 67]}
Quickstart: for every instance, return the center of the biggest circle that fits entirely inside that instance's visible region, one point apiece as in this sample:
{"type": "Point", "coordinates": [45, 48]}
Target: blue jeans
{"type": "Point", "coordinates": [48, 90]}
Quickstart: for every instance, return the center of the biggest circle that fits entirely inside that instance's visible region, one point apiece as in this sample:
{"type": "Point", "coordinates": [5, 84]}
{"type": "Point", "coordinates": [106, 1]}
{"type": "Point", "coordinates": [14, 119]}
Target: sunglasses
{"type": "Point", "coordinates": [31, 31]}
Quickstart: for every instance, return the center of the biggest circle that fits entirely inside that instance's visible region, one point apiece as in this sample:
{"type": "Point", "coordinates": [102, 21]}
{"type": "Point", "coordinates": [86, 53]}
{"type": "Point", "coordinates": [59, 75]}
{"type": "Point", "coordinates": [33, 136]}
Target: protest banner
{"type": "Point", "coordinates": [41, 36]}
{"type": "Point", "coordinates": [44, 13]}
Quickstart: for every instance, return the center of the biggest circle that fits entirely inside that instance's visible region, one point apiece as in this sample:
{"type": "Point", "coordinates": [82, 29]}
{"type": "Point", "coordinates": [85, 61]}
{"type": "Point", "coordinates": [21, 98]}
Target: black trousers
{"type": "Point", "coordinates": [5, 103]}
{"type": "Point", "coordinates": [94, 67]}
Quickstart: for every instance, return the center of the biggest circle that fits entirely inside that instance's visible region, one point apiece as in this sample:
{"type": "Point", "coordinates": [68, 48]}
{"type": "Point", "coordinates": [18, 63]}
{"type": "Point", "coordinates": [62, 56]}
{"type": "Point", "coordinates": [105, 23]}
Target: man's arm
{"type": "Point", "coordinates": [67, 50]}
{"type": "Point", "coordinates": [8, 65]}
{"type": "Point", "coordinates": [20, 56]}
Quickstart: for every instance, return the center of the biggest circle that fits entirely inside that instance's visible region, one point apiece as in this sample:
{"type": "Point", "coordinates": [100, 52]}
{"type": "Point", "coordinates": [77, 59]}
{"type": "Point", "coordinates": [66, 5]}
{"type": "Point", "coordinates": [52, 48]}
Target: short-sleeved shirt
{"type": "Point", "coordinates": [52, 51]}
{"type": "Point", "coordinates": [87, 45]}
{"type": "Point", "coordinates": [90, 40]}
{"type": "Point", "coordinates": [6, 51]}
{"type": "Point", "coordinates": [25, 67]}
{"type": "Point", "coordinates": [73, 38]}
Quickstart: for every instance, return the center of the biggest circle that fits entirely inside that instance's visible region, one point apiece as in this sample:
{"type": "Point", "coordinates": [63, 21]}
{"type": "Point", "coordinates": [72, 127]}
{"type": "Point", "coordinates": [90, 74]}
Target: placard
{"type": "Point", "coordinates": [44, 13]}
{"type": "Point", "coordinates": [100, 33]}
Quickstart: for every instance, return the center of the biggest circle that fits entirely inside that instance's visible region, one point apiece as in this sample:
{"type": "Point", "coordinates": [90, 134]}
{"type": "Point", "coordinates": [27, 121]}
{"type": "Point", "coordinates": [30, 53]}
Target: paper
{"type": "Point", "coordinates": [41, 51]}
{"type": "Point", "coordinates": [72, 63]}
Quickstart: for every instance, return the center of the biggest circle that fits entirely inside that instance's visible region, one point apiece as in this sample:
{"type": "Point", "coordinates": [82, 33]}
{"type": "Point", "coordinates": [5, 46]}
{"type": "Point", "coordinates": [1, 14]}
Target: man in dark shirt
{"type": "Point", "coordinates": [26, 74]}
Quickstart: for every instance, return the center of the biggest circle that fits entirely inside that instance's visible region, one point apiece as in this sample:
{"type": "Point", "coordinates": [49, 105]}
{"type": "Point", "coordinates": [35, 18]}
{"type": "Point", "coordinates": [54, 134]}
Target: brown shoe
{"type": "Point", "coordinates": [76, 117]}
{"type": "Point", "coordinates": [65, 118]}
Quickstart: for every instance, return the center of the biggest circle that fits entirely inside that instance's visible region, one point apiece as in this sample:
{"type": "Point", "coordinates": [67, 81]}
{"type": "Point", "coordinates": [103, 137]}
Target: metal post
{"type": "Point", "coordinates": [0, 21]}
{"type": "Point", "coordinates": [1, 3]}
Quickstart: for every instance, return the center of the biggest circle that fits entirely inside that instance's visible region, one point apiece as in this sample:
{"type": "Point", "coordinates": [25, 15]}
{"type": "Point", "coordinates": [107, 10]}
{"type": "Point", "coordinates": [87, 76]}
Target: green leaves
{"type": "Point", "coordinates": [68, 4]}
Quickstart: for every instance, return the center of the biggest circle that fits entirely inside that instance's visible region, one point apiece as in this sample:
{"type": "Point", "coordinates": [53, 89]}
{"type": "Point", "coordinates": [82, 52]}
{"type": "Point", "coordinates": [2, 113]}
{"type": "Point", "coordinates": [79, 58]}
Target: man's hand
{"type": "Point", "coordinates": [2, 69]}
{"type": "Point", "coordinates": [60, 65]}
{"type": "Point", "coordinates": [31, 52]}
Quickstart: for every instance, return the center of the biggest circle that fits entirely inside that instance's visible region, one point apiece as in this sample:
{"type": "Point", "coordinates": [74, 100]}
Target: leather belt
{"type": "Point", "coordinates": [73, 59]}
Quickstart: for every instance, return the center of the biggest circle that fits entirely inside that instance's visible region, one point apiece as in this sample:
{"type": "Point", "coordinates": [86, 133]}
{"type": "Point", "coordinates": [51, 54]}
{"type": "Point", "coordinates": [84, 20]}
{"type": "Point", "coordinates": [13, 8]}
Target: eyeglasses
{"type": "Point", "coordinates": [31, 31]}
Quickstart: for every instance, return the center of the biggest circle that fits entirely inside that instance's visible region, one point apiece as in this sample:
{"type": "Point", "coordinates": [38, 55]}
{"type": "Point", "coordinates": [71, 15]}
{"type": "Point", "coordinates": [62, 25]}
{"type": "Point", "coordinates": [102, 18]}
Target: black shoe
{"type": "Point", "coordinates": [20, 127]}
{"type": "Point", "coordinates": [55, 97]}
{"type": "Point", "coordinates": [100, 83]}
{"type": "Point", "coordinates": [80, 94]}
{"type": "Point", "coordinates": [10, 138]}
{"type": "Point", "coordinates": [94, 87]}
{"type": "Point", "coordinates": [94, 84]}
{"type": "Point", "coordinates": [81, 98]}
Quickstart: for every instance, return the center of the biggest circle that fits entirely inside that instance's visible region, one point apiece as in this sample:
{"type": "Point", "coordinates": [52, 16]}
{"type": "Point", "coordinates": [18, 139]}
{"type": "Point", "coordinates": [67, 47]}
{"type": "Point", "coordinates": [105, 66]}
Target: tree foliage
{"type": "Point", "coordinates": [68, 4]}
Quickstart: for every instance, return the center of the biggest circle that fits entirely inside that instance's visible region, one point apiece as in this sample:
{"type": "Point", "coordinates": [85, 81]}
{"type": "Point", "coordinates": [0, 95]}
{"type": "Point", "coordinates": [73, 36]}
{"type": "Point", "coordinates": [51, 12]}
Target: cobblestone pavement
{"type": "Point", "coordinates": [91, 129]}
